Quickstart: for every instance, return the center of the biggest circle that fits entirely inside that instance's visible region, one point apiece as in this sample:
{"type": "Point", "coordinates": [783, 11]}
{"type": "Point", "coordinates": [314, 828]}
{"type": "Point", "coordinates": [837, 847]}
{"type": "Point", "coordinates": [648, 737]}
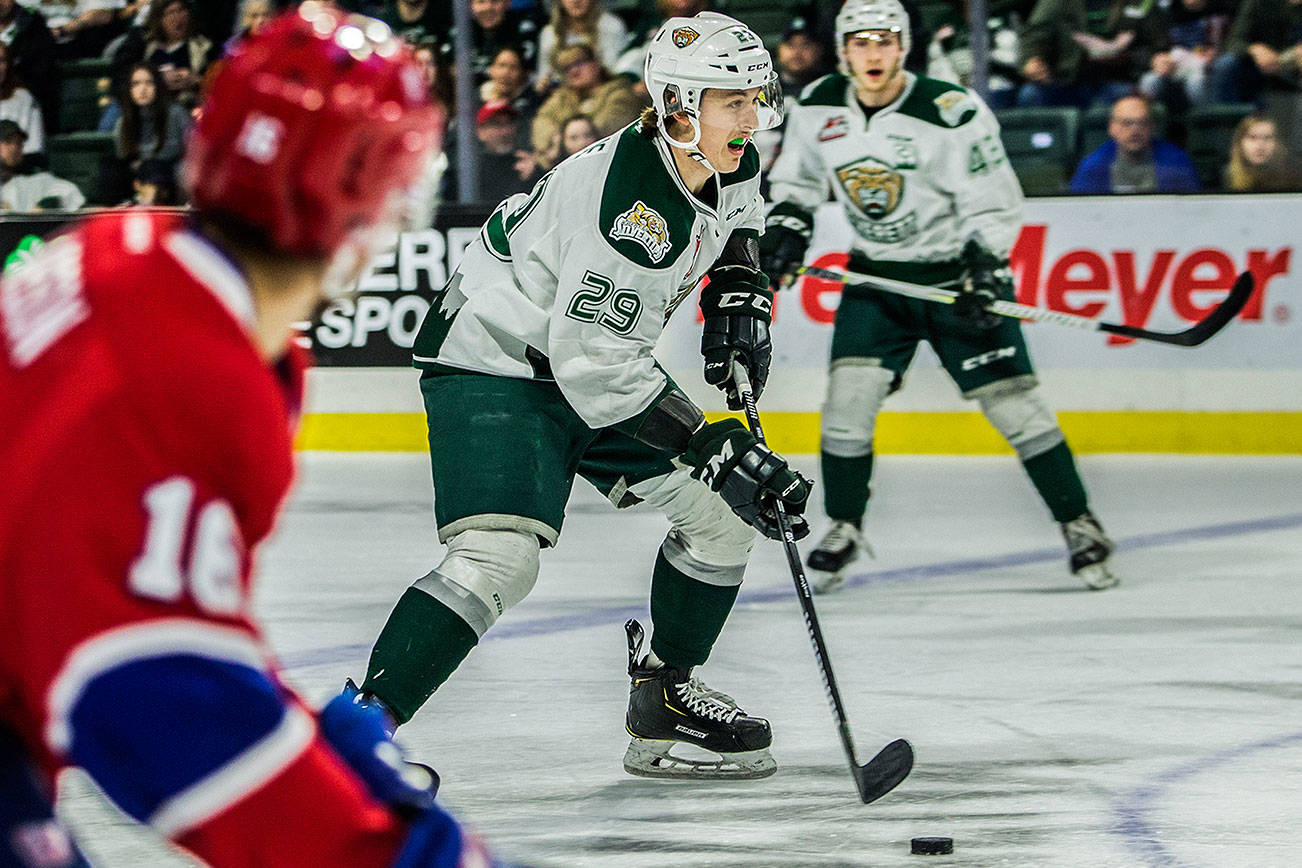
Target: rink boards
{"type": "Point", "coordinates": [1157, 262]}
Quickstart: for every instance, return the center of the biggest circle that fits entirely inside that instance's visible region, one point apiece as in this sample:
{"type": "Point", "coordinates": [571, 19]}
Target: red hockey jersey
{"type": "Point", "coordinates": [145, 450]}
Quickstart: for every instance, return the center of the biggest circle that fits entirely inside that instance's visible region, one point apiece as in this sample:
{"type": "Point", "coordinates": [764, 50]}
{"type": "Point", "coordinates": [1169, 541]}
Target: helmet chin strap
{"type": "Point", "coordinates": [690, 147]}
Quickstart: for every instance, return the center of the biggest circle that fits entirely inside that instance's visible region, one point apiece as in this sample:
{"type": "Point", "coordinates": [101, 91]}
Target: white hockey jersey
{"type": "Point", "coordinates": [575, 280]}
{"type": "Point", "coordinates": [917, 179]}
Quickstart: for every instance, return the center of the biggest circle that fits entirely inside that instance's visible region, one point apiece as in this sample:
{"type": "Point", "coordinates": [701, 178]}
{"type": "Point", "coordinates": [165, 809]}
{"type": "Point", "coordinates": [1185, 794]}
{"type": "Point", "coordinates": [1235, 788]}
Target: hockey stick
{"type": "Point", "coordinates": [1190, 337]}
{"type": "Point", "coordinates": [892, 764]}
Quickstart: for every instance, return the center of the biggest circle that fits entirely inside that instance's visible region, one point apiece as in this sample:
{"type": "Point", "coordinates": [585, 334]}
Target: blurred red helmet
{"type": "Point", "coordinates": [309, 128]}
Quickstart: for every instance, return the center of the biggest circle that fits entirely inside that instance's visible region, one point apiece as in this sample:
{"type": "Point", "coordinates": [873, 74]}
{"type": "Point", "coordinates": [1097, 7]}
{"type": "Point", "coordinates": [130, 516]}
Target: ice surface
{"type": "Point", "coordinates": [1156, 724]}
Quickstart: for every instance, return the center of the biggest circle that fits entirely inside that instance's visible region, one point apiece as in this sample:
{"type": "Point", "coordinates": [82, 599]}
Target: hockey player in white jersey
{"type": "Point", "coordinates": [537, 366]}
{"type": "Point", "coordinates": [919, 170]}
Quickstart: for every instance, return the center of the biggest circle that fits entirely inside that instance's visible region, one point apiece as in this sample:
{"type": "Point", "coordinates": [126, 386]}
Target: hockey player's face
{"type": "Point", "coordinates": [728, 119]}
{"type": "Point", "coordinates": [875, 58]}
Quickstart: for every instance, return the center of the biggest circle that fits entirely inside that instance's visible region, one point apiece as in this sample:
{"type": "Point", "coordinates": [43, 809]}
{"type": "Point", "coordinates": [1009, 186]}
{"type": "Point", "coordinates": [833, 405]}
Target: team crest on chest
{"type": "Point", "coordinates": [874, 187]}
{"type": "Point", "coordinates": [645, 226]}
{"type": "Point", "coordinates": [684, 36]}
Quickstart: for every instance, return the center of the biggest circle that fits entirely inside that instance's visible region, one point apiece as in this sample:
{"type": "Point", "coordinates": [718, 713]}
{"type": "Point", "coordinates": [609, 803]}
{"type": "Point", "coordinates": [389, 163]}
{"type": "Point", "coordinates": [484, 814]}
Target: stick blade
{"type": "Point", "coordinates": [883, 773]}
{"type": "Point", "coordinates": [1227, 310]}
{"type": "Point", "coordinates": [1209, 325]}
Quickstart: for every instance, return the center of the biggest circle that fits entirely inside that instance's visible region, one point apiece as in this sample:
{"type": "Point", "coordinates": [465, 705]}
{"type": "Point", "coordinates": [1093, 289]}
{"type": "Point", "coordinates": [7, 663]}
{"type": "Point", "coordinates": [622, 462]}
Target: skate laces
{"type": "Point", "coordinates": [706, 702]}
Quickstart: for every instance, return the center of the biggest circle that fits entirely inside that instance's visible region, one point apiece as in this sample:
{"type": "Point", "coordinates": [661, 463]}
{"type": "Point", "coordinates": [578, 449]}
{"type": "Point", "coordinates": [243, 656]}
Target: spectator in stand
{"type": "Point", "coordinates": [82, 28]}
{"type": "Point", "coordinates": [154, 185]}
{"type": "Point", "coordinates": [176, 50]}
{"type": "Point", "coordinates": [493, 26]}
{"type": "Point", "coordinates": [575, 134]}
{"type": "Point", "coordinates": [504, 168]}
{"type": "Point", "coordinates": [421, 200]}
{"type": "Point", "coordinates": [1262, 51]}
{"type": "Point", "coordinates": [418, 21]}
{"type": "Point", "coordinates": [32, 53]}
{"type": "Point", "coordinates": [253, 17]}
{"type": "Point", "coordinates": [588, 89]}
{"type": "Point", "coordinates": [436, 69]}
{"type": "Point", "coordinates": [801, 57]}
{"type": "Point", "coordinates": [152, 127]}
{"type": "Point", "coordinates": [18, 105]}
{"type": "Point", "coordinates": [574, 22]}
{"type": "Point", "coordinates": [949, 57]}
{"type": "Point", "coordinates": [1080, 52]}
{"type": "Point", "coordinates": [1259, 162]}
{"type": "Point", "coordinates": [12, 159]}
{"type": "Point", "coordinates": [26, 190]}
{"type": "Point", "coordinates": [1177, 77]}
{"type": "Point", "coordinates": [508, 81]}
{"type": "Point", "coordinates": [1131, 161]}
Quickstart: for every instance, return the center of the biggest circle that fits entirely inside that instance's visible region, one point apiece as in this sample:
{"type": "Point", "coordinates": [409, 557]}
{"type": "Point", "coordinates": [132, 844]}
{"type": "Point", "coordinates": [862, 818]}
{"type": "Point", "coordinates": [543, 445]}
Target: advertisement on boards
{"type": "Point", "coordinates": [1157, 262]}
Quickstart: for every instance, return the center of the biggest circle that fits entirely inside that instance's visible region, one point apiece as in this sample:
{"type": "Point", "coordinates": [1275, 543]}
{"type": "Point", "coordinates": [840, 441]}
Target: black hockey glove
{"type": "Point", "coordinates": [785, 241]}
{"type": "Point", "coordinates": [985, 279]}
{"type": "Point", "coordinates": [749, 477]}
{"type": "Point", "coordinates": [737, 305]}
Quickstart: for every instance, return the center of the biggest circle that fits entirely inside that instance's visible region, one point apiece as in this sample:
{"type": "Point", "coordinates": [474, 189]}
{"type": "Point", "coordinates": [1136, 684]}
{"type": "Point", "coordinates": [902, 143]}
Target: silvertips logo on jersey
{"type": "Point", "coordinates": [874, 187]}
{"type": "Point", "coordinates": [645, 226]}
{"type": "Point", "coordinates": [953, 106]}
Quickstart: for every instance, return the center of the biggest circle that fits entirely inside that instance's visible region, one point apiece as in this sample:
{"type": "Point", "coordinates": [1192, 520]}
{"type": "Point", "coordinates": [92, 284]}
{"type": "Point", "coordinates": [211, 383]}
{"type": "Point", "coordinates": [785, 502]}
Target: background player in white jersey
{"type": "Point", "coordinates": [919, 169]}
{"type": "Point", "coordinates": [538, 366]}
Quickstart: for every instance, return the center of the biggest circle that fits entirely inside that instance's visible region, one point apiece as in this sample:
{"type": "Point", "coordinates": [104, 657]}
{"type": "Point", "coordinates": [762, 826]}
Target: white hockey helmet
{"type": "Point", "coordinates": [689, 55]}
{"type": "Point", "coordinates": [856, 16]}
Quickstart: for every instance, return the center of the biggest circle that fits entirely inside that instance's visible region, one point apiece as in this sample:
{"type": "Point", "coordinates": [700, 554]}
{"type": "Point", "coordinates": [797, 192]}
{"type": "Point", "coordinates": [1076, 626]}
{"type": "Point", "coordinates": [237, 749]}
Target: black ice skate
{"type": "Point", "coordinates": [838, 548]}
{"type": "Point", "coordinates": [668, 709]}
{"type": "Point", "coordinates": [1090, 548]}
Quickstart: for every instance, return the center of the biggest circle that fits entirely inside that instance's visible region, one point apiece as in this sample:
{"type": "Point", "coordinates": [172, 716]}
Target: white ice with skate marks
{"type": "Point", "coordinates": [1158, 723]}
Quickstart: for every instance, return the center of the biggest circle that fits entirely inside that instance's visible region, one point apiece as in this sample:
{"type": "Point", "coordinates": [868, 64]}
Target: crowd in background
{"type": "Point", "coordinates": [552, 76]}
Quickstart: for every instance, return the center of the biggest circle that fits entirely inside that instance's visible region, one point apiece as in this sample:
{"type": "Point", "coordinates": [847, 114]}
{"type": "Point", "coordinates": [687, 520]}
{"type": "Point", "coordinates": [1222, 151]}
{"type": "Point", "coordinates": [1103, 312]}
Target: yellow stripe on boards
{"type": "Point", "coordinates": [908, 432]}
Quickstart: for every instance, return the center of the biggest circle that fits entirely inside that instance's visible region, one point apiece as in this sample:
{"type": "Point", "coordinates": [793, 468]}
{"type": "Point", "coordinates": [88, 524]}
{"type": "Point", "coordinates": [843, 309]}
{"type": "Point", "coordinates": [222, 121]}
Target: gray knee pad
{"type": "Point", "coordinates": [484, 573]}
{"type": "Point", "coordinates": [707, 542]}
{"type": "Point", "coordinates": [856, 389]}
{"type": "Point", "coordinates": [1016, 408]}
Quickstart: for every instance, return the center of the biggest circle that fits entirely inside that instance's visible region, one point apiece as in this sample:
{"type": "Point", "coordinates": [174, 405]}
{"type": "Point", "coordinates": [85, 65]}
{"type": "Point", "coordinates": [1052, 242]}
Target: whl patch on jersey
{"type": "Point", "coordinates": [645, 226]}
{"type": "Point", "coordinates": [953, 105]}
{"type": "Point", "coordinates": [834, 128]}
{"type": "Point", "coordinates": [685, 36]}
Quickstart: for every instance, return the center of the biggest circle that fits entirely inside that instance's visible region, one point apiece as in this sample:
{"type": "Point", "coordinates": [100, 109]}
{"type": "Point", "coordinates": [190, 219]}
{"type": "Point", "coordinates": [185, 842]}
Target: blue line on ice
{"type": "Point", "coordinates": [615, 614]}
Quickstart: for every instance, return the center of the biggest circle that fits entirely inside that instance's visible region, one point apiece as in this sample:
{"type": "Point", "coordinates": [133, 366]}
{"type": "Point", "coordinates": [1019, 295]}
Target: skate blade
{"type": "Point", "coordinates": [1098, 577]}
{"type": "Point", "coordinates": [652, 759]}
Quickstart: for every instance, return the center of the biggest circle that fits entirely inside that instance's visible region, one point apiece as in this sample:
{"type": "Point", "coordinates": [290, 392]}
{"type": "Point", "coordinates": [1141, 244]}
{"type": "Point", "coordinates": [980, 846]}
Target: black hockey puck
{"type": "Point", "coordinates": [931, 846]}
